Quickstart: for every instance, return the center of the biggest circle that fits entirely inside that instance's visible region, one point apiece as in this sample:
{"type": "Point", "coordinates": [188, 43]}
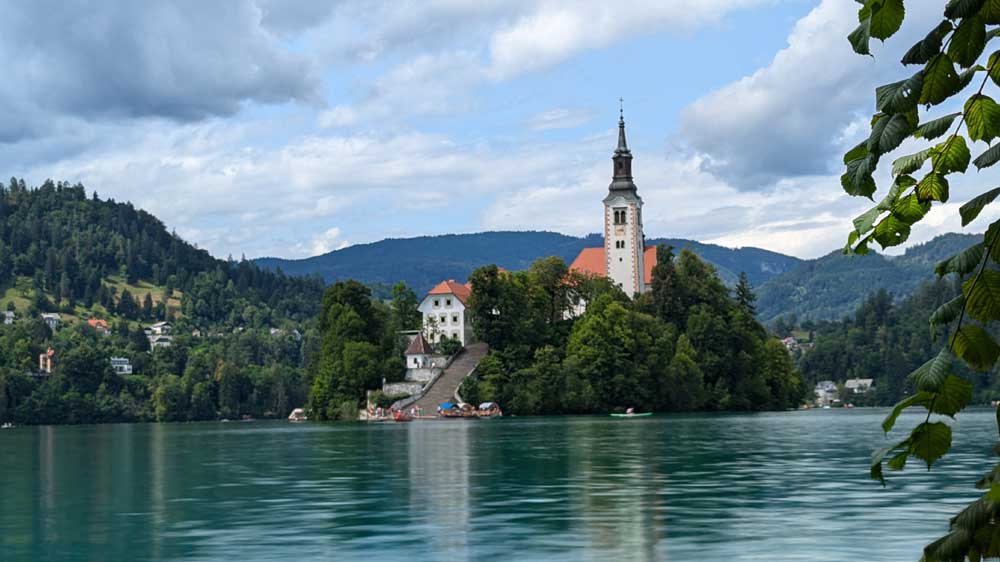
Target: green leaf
{"type": "Point", "coordinates": [858, 178]}
{"type": "Point", "coordinates": [918, 399]}
{"type": "Point", "coordinates": [947, 312]}
{"type": "Point", "coordinates": [866, 221]}
{"type": "Point", "coordinates": [910, 163]}
{"type": "Point", "coordinates": [982, 118]}
{"type": "Point", "coordinates": [975, 347]}
{"type": "Point", "coordinates": [951, 156]}
{"type": "Point", "coordinates": [968, 41]}
{"type": "Point", "coordinates": [963, 262]}
{"type": "Point", "coordinates": [934, 187]}
{"type": "Point", "coordinates": [952, 396]}
{"type": "Point", "coordinates": [888, 132]}
{"type": "Point", "coordinates": [993, 67]}
{"type": "Point", "coordinates": [967, 75]}
{"type": "Point", "coordinates": [929, 376]}
{"type": "Point", "coordinates": [934, 129]}
{"type": "Point", "coordinates": [861, 37]}
{"type": "Point", "coordinates": [930, 441]}
{"type": "Point", "coordinates": [940, 80]}
{"type": "Point", "coordinates": [982, 295]}
{"type": "Point", "coordinates": [988, 158]}
{"type": "Point", "coordinates": [925, 49]}
{"type": "Point", "coordinates": [899, 97]}
{"type": "Point", "coordinates": [886, 18]}
{"type": "Point", "coordinates": [991, 12]}
{"type": "Point", "coordinates": [962, 8]}
{"type": "Point", "coordinates": [860, 151]}
{"type": "Point", "coordinates": [911, 209]}
{"type": "Point", "coordinates": [974, 206]}
{"type": "Point", "coordinates": [891, 231]}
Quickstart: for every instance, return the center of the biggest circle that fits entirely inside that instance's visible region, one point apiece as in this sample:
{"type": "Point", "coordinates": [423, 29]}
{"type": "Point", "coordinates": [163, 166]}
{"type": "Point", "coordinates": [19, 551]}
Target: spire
{"type": "Point", "coordinates": [622, 179]}
{"type": "Point", "coordinates": [622, 145]}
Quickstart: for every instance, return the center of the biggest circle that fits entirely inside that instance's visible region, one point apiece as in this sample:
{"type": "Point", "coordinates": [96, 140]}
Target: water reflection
{"type": "Point", "coordinates": [784, 487]}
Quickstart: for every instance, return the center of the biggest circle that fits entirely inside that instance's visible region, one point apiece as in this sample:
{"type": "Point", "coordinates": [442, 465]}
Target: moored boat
{"type": "Point", "coordinates": [489, 410]}
{"type": "Point", "coordinates": [297, 415]}
{"type": "Point", "coordinates": [632, 415]}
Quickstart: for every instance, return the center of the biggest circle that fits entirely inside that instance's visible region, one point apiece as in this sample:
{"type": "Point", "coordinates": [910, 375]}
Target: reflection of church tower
{"type": "Point", "coordinates": [624, 243]}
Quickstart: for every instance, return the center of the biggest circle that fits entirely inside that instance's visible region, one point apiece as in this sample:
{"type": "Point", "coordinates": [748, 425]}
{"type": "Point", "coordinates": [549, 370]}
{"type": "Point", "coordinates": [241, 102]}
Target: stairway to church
{"type": "Point", "coordinates": [443, 389]}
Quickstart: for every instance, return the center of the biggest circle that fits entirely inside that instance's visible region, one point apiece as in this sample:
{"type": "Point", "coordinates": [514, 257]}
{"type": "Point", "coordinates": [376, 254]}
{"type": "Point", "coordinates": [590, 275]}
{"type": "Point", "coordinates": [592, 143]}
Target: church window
{"type": "Point", "coordinates": [620, 216]}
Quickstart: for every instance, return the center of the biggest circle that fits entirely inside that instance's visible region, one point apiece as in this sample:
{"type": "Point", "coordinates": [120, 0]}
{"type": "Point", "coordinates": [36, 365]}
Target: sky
{"type": "Point", "coordinates": [291, 128]}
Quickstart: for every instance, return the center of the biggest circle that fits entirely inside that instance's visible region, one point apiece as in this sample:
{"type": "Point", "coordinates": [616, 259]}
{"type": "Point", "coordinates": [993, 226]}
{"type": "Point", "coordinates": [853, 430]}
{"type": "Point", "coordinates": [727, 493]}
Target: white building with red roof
{"type": "Point", "coordinates": [624, 259]}
{"type": "Point", "coordinates": [445, 312]}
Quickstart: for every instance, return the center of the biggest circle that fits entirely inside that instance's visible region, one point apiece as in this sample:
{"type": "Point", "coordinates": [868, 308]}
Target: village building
{"type": "Point", "coordinates": [160, 341]}
{"type": "Point", "coordinates": [121, 365]}
{"type": "Point", "coordinates": [9, 317]}
{"type": "Point", "coordinates": [624, 259]}
{"type": "Point", "coordinates": [826, 393]}
{"type": "Point", "coordinates": [445, 313]}
{"type": "Point", "coordinates": [45, 362]}
{"type": "Point", "coordinates": [160, 329]}
{"type": "Point", "coordinates": [100, 325]}
{"type": "Point", "coordinates": [52, 320]}
{"type": "Point", "coordinates": [418, 354]}
{"type": "Point", "coordinates": [858, 386]}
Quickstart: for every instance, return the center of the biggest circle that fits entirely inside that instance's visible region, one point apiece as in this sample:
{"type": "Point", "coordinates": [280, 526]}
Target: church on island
{"type": "Point", "coordinates": [624, 259]}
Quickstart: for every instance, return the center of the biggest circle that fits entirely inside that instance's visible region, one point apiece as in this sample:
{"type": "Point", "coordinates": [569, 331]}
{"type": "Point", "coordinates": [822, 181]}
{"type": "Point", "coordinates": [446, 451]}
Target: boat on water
{"type": "Point", "coordinates": [632, 415]}
{"type": "Point", "coordinates": [489, 410]}
{"type": "Point", "coordinates": [7, 425]}
{"type": "Point", "coordinates": [297, 415]}
{"type": "Point", "coordinates": [401, 416]}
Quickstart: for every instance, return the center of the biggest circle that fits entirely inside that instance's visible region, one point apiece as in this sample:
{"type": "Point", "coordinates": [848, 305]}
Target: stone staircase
{"type": "Point", "coordinates": [443, 389]}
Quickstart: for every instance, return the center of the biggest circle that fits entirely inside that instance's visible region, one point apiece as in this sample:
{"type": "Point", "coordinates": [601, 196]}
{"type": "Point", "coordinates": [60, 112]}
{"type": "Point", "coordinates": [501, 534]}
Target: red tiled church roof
{"type": "Point", "coordinates": [450, 287]}
{"type": "Point", "coordinates": [590, 261]}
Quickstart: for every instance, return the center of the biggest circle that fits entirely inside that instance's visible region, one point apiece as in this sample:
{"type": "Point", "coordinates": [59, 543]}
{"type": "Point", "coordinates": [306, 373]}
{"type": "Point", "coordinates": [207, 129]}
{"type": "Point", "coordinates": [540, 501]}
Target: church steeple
{"type": "Point", "coordinates": [622, 158]}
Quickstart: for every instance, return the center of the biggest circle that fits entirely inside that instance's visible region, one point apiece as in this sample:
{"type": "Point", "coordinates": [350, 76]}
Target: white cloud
{"type": "Point", "coordinates": [322, 243]}
{"type": "Point", "coordinates": [560, 118]}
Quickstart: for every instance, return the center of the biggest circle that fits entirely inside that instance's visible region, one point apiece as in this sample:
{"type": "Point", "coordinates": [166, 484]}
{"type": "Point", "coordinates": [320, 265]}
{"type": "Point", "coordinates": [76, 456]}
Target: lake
{"type": "Point", "coordinates": [781, 486]}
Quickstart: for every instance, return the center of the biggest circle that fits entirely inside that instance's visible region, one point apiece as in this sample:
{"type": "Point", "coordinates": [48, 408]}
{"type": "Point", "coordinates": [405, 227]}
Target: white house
{"type": "Point", "coordinates": [444, 311]}
{"type": "Point", "coordinates": [160, 328]}
{"type": "Point", "coordinates": [121, 365]}
{"type": "Point", "coordinates": [160, 341]}
{"type": "Point", "coordinates": [826, 392]}
{"type": "Point", "coordinates": [858, 386]}
{"type": "Point", "coordinates": [9, 317]}
{"type": "Point", "coordinates": [52, 320]}
{"type": "Point", "coordinates": [418, 354]}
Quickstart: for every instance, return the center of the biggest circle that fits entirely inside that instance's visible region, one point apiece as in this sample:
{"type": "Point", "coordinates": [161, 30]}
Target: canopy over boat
{"type": "Point", "coordinates": [446, 406]}
{"type": "Point", "coordinates": [487, 405]}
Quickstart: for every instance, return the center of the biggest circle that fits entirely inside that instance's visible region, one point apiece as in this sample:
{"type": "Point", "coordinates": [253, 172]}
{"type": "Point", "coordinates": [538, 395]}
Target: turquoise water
{"type": "Point", "coordinates": [783, 486]}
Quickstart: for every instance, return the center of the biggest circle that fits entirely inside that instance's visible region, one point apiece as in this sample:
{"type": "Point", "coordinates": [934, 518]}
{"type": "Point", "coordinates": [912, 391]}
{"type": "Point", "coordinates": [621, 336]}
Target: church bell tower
{"type": "Point", "coordinates": [624, 242]}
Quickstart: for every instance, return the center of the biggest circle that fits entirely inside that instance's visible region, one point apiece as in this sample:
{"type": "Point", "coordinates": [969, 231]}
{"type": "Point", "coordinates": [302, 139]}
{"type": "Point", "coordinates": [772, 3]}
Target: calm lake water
{"type": "Point", "coordinates": [784, 486]}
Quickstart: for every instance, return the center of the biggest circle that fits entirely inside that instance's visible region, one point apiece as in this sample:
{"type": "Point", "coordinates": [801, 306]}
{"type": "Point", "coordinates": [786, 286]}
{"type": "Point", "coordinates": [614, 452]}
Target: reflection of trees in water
{"type": "Point", "coordinates": [439, 454]}
{"type": "Point", "coordinates": [617, 491]}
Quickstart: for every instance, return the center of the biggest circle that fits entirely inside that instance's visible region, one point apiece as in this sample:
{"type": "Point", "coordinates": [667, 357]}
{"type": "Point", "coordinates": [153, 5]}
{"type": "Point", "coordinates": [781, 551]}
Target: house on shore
{"type": "Point", "coordinates": [445, 313]}
{"type": "Point", "coordinates": [859, 386]}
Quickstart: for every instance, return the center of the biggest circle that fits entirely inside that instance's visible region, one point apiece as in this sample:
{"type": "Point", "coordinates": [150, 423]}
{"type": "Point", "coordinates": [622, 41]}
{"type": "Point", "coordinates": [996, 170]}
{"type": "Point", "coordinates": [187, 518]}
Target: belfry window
{"type": "Point", "coordinates": [620, 216]}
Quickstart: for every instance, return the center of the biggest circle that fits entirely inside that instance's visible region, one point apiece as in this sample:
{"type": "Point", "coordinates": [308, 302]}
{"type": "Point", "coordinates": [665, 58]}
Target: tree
{"type": "Point", "coordinates": [745, 297]}
{"type": "Point", "coordinates": [957, 42]}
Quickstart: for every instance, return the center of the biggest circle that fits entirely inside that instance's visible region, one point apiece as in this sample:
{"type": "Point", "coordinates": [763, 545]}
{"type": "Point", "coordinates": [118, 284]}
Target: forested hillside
{"type": "Point", "coordinates": [240, 333]}
{"type": "Point", "coordinates": [832, 287]}
{"type": "Point", "coordinates": [424, 261]}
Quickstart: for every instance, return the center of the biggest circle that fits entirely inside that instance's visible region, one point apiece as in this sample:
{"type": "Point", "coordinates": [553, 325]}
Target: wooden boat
{"type": "Point", "coordinates": [642, 415]}
{"type": "Point", "coordinates": [401, 416]}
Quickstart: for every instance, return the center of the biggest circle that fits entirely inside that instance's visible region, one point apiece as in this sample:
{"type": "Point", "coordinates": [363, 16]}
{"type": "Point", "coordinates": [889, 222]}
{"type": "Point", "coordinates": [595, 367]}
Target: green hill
{"type": "Point", "coordinates": [424, 261]}
{"type": "Point", "coordinates": [835, 285]}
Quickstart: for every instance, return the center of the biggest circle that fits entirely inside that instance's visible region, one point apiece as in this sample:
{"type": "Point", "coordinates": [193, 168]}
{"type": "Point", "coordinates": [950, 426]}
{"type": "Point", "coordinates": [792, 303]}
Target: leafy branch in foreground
{"type": "Point", "coordinates": [950, 57]}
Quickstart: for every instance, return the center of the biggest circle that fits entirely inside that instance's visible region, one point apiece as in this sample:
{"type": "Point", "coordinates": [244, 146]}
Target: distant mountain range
{"type": "Point", "coordinates": [423, 262]}
{"type": "Point", "coordinates": [825, 288]}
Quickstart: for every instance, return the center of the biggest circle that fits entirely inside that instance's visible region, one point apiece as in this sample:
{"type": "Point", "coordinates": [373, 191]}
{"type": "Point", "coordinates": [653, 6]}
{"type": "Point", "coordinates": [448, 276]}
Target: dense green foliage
{"type": "Point", "coordinates": [686, 345]}
{"type": "Point", "coordinates": [831, 287]}
{"type": "Point", "coordinates": [948, 60]}
{"type": "Point", "coordinates": [422, 262]}
{"type": "Point", "coordinates": [360, 346]}
{"type": "Point", "coordinates": [886, 340]}
{"type": "Point", "coordinates": [242, 334]}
